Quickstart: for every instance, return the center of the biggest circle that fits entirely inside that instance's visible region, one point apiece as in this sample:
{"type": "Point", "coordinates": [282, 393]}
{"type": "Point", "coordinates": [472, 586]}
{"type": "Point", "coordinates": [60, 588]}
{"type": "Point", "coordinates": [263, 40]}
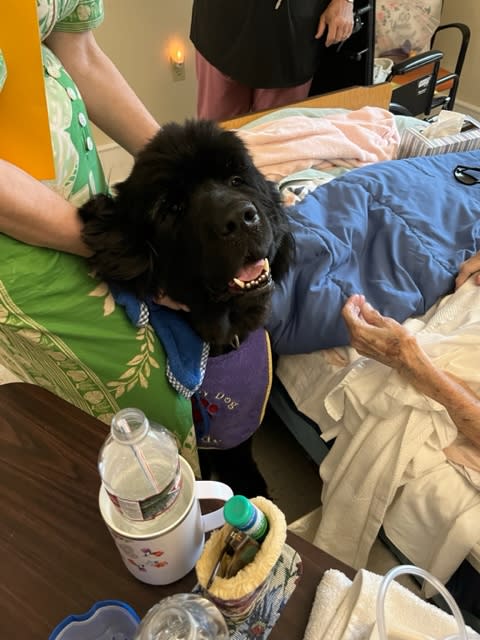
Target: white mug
{"type": "Point", "coordinates": [165, 549]}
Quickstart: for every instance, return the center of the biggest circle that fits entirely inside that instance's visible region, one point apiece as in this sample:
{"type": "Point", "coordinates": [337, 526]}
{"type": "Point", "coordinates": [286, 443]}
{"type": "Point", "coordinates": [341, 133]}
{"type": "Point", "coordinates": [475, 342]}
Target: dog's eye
{"type": "Point", "coordinates": [236, 181]}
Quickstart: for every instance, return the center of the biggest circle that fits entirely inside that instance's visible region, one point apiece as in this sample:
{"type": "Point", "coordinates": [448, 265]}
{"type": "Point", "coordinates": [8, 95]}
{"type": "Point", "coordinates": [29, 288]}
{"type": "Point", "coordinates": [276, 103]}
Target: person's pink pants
{"type": "Point", "coordinates": [219, 97]}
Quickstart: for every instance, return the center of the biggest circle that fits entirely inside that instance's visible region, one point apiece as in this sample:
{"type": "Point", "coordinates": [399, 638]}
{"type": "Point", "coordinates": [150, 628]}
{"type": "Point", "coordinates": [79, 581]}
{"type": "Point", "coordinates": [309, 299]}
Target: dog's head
{"type": "Point", "coordinates": [196, 220]}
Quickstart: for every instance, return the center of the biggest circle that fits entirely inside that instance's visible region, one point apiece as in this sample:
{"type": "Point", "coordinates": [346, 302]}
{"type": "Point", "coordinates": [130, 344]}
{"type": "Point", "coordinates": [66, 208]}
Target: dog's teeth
{"type": "Point", "coordinates": [264, 277]}
{"type": "Point", "coordinates": [239, 283]}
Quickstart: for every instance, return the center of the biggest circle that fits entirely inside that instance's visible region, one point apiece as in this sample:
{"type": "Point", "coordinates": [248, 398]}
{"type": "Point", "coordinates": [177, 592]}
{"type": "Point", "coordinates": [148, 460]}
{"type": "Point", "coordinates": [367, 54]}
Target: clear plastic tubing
{"type": "Point", "coordinates": [418, 571]}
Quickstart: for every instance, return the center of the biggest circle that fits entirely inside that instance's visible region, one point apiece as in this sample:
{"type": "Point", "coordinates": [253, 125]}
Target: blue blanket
{"type": "Point", "coordinates": [395, 231]}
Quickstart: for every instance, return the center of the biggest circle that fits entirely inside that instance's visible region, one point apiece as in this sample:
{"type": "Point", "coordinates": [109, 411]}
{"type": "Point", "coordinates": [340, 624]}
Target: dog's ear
{"type": "Point", "coordinates": [285, 250]}
{"type": "Point", "coordinates": [284, 256]}
{"type": "Point", "coordinates": [117, 255]}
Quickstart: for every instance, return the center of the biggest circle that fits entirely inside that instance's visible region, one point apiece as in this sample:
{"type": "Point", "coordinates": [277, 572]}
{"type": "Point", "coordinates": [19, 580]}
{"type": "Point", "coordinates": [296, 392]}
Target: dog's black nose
{"type": "Point", "coordinates": [244, 216]}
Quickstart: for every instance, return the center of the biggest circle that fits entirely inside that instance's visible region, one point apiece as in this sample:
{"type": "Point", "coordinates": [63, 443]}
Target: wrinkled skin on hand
{"type": "Point", "coordinates": [470, 267]}
{"type": "Point", "coordinates": [378, 337]}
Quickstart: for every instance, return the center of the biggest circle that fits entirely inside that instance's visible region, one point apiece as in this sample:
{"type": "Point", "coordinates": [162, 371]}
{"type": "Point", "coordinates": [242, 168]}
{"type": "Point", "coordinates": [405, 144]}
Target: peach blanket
{"type": "Point", "coordinates": [294, 143]}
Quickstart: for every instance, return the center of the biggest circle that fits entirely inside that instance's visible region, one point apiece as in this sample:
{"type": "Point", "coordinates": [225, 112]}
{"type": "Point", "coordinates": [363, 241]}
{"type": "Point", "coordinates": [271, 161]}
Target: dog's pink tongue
{"type": "Point", "coordinates": [250, 271]}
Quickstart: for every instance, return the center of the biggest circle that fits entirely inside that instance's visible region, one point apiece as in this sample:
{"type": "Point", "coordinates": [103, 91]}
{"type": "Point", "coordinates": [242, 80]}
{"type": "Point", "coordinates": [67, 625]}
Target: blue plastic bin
{"type": "Point", "coordinates": [106, 620]}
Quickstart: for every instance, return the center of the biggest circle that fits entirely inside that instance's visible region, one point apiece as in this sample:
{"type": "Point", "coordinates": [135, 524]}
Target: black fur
{"type": "Point", "coordinates": [193, 210]}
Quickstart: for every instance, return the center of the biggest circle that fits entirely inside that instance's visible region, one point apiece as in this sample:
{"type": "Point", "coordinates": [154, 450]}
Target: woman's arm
{"type": "Point", "coordinates": [33, 213]}
{"type": "Point", "coordinates": [30, 211]}
{"type": "Point", "coordinates": [111, 103]}
{"type": "Point", "coordinates": [385, 340]}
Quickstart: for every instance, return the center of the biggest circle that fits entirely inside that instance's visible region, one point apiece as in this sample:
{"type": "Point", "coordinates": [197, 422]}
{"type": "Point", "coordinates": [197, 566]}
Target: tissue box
{"type": "Point", "coordinates": [414, 143]}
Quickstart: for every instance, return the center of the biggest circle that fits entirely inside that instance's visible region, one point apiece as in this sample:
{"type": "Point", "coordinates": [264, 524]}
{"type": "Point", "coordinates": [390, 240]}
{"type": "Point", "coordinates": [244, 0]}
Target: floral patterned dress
{"type": "Point", "coordinates": [59, 327]}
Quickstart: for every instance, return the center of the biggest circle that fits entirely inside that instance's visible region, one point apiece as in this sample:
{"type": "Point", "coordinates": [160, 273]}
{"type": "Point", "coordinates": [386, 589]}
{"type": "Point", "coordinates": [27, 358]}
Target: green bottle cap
{"type": "Point", "coordinates": [239, 512]}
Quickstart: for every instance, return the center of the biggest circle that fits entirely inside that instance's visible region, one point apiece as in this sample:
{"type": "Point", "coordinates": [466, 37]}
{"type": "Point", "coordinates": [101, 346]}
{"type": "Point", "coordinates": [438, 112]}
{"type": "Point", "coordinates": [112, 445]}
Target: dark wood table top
{"type": "Point", "coordinates": [56, 555]}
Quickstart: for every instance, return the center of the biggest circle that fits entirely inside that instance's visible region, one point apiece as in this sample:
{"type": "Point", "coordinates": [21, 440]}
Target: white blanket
{"type": "Point", "coordinates": [388, 436]}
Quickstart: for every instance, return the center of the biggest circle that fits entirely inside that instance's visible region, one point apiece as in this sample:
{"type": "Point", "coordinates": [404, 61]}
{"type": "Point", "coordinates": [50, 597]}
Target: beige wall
{"type": "Point", "coordinates": [467, 11]}
{"type": "Point", "coordinates": [137, 36]}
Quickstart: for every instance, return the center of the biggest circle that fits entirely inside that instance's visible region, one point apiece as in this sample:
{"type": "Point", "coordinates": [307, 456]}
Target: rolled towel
{"type": "Point", "coordinates": [331, 592]}
{"type": "Point", "coordinates": [345, 610]}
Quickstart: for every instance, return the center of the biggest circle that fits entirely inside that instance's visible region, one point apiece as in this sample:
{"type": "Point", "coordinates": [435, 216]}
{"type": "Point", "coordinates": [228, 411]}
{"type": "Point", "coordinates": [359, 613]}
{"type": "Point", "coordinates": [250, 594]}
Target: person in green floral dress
{"type": "Point", "coordinates": [59, 326]}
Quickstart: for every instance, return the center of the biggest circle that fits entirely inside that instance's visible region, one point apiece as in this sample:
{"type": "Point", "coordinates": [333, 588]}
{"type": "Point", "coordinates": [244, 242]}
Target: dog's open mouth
{"type": "Point", "coordinates": [254, 275]}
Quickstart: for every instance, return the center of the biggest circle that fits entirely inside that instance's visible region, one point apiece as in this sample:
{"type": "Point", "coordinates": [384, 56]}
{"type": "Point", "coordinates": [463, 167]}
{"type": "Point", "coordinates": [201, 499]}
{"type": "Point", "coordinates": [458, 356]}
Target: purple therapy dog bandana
{"type": "Point", "coordinates": [230, 404]}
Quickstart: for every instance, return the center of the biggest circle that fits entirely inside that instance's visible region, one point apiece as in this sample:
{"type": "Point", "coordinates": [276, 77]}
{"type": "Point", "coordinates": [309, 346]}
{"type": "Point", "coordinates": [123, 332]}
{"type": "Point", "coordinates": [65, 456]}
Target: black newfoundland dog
{"type": "Point", "coordinates": [197, 221]}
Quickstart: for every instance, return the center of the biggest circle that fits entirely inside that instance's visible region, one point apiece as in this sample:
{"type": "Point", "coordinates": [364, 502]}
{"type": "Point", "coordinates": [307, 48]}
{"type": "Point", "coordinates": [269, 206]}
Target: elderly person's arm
{"type": "Point", "coordinates": [387, 341]}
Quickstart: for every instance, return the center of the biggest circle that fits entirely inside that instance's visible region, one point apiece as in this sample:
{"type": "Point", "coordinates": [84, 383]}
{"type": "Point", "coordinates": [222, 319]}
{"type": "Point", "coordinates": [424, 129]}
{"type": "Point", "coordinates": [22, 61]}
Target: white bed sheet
{"type": "Point", "coordinates": [434, 518]}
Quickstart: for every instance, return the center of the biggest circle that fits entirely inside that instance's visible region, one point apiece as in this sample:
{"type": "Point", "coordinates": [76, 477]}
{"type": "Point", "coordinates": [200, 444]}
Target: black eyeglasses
{"type": "Point", "coordinates": [461, 174]}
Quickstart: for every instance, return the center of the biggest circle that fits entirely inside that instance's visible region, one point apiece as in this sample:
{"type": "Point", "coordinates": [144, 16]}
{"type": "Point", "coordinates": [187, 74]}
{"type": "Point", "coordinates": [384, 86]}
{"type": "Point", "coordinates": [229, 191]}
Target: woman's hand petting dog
{"type": "Point", "coordinates": [162, 298]}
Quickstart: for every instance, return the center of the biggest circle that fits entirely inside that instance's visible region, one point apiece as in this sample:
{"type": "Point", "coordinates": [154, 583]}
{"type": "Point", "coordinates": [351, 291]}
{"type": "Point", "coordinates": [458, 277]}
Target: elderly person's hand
{"type": "Point", "coordinates": [385, 340]}
{"type": "Point", "coordinates": [470, 267]}
{"type": "Point", "coordinates": [337, 19]}
{"type": "Point", "coordinates": [379, 337]}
